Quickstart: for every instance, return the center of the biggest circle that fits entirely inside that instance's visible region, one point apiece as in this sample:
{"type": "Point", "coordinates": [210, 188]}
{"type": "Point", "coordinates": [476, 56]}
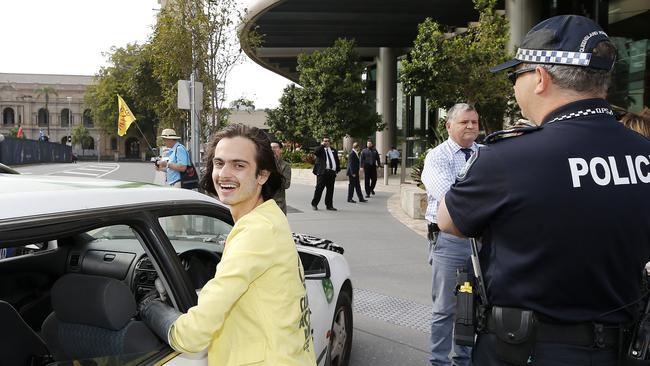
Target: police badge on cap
{"type": "Point", "coordinates": [561, 40]}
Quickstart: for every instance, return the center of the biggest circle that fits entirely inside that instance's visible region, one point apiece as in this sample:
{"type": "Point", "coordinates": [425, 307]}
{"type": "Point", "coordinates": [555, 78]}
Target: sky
{"type": "Point", "coordinates": [69, 37]}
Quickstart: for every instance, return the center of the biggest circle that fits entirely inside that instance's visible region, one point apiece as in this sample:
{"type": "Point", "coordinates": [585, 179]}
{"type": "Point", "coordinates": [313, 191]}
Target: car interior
{"type": "Point", "coordinates": [69, 290]}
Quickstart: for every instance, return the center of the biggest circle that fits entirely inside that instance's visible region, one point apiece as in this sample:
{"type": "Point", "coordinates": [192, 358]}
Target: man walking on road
{"type": "Point", "coordinates": [285, 171]}
{"type": "Point", "coordinates": [447, 252]}
{"type": "Point", "coordinates": [353, 174]}
{"type": "Point", "coordinates": [178, 158]}
{"type": "Point", "coordinates": [393, 157]}
{"type": "Point", "coordinates": [326, 167]}
{"type": "Point", "coordinates": [369, 162]}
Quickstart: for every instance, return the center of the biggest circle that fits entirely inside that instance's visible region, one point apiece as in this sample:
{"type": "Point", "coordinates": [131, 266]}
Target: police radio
{"type": "Point", "coordinates": [470, 315]}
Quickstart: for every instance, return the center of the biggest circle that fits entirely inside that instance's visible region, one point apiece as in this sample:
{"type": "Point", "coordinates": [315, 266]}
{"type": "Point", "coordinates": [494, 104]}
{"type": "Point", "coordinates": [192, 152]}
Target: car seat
{"type": "Point", "coordinates": [93, 316]}
{"type": "Point", "coordinates": [19, 344]}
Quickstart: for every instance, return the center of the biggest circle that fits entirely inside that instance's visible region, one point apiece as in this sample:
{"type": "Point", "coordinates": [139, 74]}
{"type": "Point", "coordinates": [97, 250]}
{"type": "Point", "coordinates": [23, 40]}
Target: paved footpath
{"type": "Point", "coordinates": [387, 253]}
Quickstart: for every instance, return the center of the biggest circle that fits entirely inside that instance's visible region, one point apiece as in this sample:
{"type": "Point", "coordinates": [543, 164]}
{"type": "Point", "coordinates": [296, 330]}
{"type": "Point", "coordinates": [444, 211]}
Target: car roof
{"type": "Point", "coordinates": [7, 169]}
{"type": "Point", "coordinates": [32, 195]}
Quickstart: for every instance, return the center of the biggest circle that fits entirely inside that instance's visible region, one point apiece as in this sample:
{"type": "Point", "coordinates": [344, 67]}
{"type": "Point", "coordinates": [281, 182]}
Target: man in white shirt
{"type": "Point", "coordinates": [447, 252]}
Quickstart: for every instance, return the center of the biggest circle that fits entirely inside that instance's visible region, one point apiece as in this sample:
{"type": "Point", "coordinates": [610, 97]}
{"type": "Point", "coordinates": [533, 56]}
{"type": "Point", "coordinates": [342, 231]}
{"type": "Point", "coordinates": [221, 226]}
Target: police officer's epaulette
{"type": "Point", "coordinates": [510, 132]}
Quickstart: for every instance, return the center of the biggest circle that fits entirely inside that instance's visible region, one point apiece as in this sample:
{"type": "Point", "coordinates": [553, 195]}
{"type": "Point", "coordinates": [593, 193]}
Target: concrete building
{"type": "Point", "coordinates": [384, 31]}
{"type": "Point", "coordinates": [21, 105]}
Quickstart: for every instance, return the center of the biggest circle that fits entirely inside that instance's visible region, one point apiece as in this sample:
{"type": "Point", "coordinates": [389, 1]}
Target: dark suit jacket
{"type": "Point", "coordinates": [353, 164]}
{"type": "Point", "coordinates": [321, 160]}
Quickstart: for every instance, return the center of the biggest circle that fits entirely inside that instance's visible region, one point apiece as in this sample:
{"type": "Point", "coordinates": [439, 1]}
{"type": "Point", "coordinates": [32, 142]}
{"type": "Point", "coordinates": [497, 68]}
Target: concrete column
{"type": "Point", "coordinates": [522, 15]}
{"type": "Point", "coordinates": [386, 98]}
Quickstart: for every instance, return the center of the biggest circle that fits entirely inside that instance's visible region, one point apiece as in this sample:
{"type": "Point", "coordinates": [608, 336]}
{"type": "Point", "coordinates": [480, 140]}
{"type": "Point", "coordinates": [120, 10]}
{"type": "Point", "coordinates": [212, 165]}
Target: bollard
{"type": "Point", "coordinates": [386, 170]}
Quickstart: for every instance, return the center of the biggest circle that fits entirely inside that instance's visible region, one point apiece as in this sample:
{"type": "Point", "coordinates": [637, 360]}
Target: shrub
{"type": "Point", "coordinates": [416, 169]}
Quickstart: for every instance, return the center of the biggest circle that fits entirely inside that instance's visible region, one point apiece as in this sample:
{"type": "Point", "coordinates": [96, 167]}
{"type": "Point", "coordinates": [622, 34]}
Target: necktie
{"type": "Point", "coordinates": [467, 152]}
{"type": "Point", "coordinates": [329, 160]}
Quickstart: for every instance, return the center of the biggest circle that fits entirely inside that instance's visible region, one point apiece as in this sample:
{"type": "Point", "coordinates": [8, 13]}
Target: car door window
{"type": "Point", "coordinates": [195, 231]}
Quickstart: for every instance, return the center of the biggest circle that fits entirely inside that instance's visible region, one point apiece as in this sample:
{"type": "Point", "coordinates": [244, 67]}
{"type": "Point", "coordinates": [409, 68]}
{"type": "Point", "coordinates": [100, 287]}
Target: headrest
{"type": "Point", "coordinates": [93, 300]}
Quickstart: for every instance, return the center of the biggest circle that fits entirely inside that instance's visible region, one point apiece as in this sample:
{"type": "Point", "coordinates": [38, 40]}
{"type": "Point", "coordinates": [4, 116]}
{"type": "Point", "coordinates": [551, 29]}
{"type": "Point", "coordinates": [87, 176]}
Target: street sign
{"type": "Point", "coordinates": [184, 94]}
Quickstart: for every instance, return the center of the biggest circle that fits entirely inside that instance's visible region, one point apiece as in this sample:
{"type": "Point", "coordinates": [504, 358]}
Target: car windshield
{"type": "Point", "coordinates": [180, 228]}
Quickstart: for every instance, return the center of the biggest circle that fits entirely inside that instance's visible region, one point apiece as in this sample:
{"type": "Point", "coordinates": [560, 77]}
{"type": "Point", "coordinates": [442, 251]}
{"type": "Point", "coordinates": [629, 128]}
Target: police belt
{"type": "Point", "coordinates": [433, 227]}
{"type": "Point", "coordinates": [579, 334]}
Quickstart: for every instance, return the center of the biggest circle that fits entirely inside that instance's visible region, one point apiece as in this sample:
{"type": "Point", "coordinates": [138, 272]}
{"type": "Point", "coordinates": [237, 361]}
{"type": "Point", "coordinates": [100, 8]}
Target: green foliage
{"type": "Point", "coordinates": [416, 169]}
{"type": "Point", "coordinates": [309, 158]}
{"type": "Point", "coordinates": [285, 122]}
{"type": "Point", "coordinates": [333, 99]}
{"type": "Point", "coordinates": [456, 69]}
{"type": "Point", "coordinates": [13, 132]}
{"type": "Point", "coordinates": [80, 135]}
{"type": "Point", "coordinates": [292, 156]}
{"type": "Point", "coordinates": [130, 74]}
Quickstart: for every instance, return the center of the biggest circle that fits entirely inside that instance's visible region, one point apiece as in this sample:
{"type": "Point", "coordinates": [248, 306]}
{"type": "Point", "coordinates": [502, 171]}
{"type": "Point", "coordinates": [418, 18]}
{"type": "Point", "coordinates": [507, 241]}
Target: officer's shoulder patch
{"type": "Point", "coordinates": [463, 172]}
{"type": "Point", "coordinates": [509, 133]}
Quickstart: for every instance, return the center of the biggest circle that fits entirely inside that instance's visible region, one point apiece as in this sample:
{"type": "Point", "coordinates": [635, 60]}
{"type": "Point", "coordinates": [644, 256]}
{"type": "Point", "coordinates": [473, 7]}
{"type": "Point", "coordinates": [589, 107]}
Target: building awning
{"type": "Point", "coordinates": [291, 27]}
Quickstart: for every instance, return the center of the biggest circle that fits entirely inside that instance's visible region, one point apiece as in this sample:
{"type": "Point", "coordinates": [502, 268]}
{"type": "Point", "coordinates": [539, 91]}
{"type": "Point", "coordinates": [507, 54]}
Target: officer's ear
{"type": "Point", "coordinates": [543, 80]}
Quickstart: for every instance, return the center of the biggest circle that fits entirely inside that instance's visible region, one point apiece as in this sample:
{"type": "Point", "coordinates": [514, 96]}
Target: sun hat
{"type": "Point", "coordinates": [169, 133]}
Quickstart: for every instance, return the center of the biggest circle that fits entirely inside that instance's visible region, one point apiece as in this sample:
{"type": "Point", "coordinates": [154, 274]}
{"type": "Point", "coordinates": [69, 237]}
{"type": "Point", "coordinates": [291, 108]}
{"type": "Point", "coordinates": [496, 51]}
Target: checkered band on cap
{"type": "Point", "coordinates": [554, 57]}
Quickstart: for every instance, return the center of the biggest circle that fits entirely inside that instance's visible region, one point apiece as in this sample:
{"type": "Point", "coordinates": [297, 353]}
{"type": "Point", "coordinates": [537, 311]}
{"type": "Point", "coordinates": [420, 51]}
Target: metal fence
{"type": "Point", "coordinates": [21, 151]}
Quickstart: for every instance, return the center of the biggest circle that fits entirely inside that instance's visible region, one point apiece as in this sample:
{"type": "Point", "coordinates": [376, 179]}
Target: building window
{"type": "Point", "coordinates": [43, 117]}
{"type": "Point", "coordinates": [8, 116]}
{"type": "Point", "coordinates": [65, 116]}
{"type": "Point", "coordinates": [88, 118]}
{"type": "Point", "coordinates": [88, 143]}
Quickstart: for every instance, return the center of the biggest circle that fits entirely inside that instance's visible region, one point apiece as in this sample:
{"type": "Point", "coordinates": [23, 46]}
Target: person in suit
{"type": "Point", "coordinates": [325, 169]}
{"type": "Point", "coordinates": [369, 162]}
{"type": "Point", "coordinates": [353, 174]}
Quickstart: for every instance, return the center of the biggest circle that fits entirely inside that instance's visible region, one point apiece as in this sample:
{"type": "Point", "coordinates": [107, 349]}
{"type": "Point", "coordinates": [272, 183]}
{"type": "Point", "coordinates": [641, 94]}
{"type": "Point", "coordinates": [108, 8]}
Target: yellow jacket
{"type": "Point", "coordinates": [255, 309]}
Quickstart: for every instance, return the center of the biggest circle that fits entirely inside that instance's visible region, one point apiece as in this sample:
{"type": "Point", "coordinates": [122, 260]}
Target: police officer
{"type": "Point", "coordinates": [562, 207]}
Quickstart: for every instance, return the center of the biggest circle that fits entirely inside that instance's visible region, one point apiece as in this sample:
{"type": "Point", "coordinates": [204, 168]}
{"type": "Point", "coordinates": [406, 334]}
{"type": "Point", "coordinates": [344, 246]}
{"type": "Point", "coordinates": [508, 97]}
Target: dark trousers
{"type": "Point", "coordinates": [545, 354]}
{"type": "Point", "coordinates": [354, 184]}
{"type": "Point", "coordinates": [324, 181]}
{"type": "Point", "coordinates": [370, 178]}
{"type": "Point", "coordinates": [393, 165]}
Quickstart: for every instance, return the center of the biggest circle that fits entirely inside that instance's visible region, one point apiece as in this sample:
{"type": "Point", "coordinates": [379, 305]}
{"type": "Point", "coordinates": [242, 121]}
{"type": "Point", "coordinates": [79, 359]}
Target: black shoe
{"type": "Point", "coordinates": [352, 201]}
{"type": "Point", "coordinates": [367, 196]}
{"type": "Point", "coordinates": [314, 207]}
{"type": "Point", "coordinates": [362, 201]}
{"type": "Point", "coordinates": [331, 208]}
{"type": "Point", "coordinates": [373, 193]}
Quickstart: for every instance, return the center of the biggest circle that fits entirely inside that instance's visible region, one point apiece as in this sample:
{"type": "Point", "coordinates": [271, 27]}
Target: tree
{"type": "Point", "coordinates": [450, 70]}
{"type": "Point", "coordinates": [285, 122]}
{"type": "Point", "coordinates": [202, 37]}
{"type": "Point", "coordinates": [333, 99]}
{"type": "Point", "coordinates": [46, 91]}
{"type": "Point", "coordinates": [130, 75]}
{"type": "Point", "coordinates": [80, 135]}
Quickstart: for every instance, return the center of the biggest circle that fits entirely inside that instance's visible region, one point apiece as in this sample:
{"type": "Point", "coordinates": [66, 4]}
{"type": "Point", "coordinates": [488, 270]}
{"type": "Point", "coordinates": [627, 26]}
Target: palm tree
{"type": "Point", "coordinates": [46, 90]}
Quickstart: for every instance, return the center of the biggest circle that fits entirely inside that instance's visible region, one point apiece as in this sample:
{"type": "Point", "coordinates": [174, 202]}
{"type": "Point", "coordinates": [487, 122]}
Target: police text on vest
{"type": "Point", "coordinates": [606, 171]}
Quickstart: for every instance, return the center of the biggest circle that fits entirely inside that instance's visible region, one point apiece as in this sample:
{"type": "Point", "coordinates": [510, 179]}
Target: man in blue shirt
{"type": "Point", "coordinates": [447, 252]}
{"type": "Point", "coordinates": [178, 158]}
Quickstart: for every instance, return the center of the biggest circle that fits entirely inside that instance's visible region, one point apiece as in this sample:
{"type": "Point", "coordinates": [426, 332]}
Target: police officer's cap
{"type": "Point", "coordinates": [561, 40]}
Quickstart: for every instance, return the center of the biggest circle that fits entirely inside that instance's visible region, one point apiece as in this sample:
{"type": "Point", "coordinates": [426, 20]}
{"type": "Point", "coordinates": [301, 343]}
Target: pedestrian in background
{"type": "Point", "coordinates": [326, 167]}
{"type": "Point", "coordinates": [447, 252]}
{"type": "Point", "coordinates": [178, 158]}
{"type": "Point", "coordinates": [285, 171]}
{"type": "Point", "coordinates": [369, 162]}
{"type": "Point", "coordinates": [255, 309]}
{"type": "Point", "coordinates": [353, 174]}
{"type": "Point", "coordinates": [561, 208]}
{"type": "Point", "coordinates": [393, 157]}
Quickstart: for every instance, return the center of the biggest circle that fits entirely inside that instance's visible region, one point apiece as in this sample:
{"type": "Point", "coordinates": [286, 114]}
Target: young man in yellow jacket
{"type": "Point", "coordinates": [255, 309]}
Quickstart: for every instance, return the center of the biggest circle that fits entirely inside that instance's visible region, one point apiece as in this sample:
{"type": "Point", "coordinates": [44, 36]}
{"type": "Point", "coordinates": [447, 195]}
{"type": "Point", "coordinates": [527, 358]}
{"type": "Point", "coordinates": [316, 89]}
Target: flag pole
{"type": "Point", "coordinates": [144, 137]}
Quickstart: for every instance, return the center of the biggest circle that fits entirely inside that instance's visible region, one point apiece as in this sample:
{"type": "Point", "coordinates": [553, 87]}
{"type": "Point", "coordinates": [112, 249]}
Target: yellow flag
{"type": "Point", "coordinates": [125, 117]}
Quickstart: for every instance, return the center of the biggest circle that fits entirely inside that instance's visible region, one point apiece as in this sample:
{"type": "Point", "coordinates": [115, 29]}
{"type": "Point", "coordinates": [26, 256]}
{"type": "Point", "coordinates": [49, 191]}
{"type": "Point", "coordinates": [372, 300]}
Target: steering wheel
{"type": "Point", "coordinates": [200, 265]}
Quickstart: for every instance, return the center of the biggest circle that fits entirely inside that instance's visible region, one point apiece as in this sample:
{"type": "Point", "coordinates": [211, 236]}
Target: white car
{"type": "Point", "coordinates": [78, 254]}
